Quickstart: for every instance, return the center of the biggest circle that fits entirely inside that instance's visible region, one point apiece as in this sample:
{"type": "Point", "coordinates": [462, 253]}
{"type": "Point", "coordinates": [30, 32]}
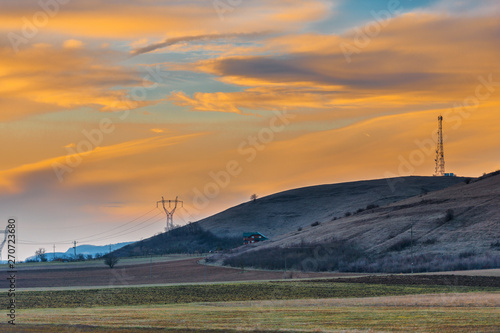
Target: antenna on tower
{"type": "Point", "coordinates": [170, 211]}
{"type": "Point", "coordinates": [439, 150]}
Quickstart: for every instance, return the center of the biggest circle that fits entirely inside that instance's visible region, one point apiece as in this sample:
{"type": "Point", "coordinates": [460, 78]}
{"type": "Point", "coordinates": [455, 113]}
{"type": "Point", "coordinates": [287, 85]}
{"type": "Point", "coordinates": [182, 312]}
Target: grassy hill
{"type": "Point", "coordinates": [284, 212]}
{"type": "Point", "coordinates": [453, 228]}
{"type": "Point", "coordinates": [287, 211]}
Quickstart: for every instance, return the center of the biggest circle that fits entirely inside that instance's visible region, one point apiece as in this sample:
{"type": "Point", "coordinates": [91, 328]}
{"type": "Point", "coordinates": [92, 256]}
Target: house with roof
{"type": "Point", "coordinates": [253, 237]}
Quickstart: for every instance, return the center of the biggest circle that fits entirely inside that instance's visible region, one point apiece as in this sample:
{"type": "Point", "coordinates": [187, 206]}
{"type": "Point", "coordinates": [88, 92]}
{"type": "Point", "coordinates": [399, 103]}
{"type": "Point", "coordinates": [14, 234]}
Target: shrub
{"type": "Point", "coordinates": [371, 206]}
{"type": "Point", "coordinates": [111, 260]}
{"type": "Point", "coordinates": [347, 214]}
{"type": "Point", "coordinates": [305, 256]}
{"type": "Point", "coordinates": [430, 241]}
{"type": "Point", "coordinates": [495, 244]}
{"type": "Point", "coordinates": [315, 224]}
{"type": "Point", "coordinates": [299, 229]}
{"type": "Point", "coordinates": [400, 245]}
{"type": "Point", "coordinates": [399, 263]}
{"type": "Point", "coordinates": [450, 215]}
{"type": "Point", "coordinates": [466, 254]}
{"type": "Point", "coordinates": [360, 210]}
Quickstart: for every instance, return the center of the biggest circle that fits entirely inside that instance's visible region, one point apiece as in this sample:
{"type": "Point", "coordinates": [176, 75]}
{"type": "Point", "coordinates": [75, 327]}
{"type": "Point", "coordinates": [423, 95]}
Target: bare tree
{"type": "Point", "coordinates": [40, 254]}
{"type": "Point", "coordinates": [111, 260]}
{"type": "Point", "coordinates": [253, 197]}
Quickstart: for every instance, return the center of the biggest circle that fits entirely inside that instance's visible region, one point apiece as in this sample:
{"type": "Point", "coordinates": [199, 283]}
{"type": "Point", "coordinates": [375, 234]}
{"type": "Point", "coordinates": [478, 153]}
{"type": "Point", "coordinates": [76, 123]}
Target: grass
{"type": "Point", "coordinates": [264, 307]}
{"type": "Point", "coordinates": [88, 298]}
{"type": "Point", "coordinates": [252, 316]}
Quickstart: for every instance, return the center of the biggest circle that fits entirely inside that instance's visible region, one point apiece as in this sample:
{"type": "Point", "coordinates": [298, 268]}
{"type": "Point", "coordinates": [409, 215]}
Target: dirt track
{"type": "Point", "coordinates": [180, 271]}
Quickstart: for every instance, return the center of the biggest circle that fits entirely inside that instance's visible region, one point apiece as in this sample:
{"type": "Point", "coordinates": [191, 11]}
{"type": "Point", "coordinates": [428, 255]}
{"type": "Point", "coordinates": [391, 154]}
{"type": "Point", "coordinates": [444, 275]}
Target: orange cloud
{"type": "Point", "coordinates": [136, 19]}
{"type": "Point", "coordinates": [45, 78]}
{"type": "Point", "coordinates": [416, 59]}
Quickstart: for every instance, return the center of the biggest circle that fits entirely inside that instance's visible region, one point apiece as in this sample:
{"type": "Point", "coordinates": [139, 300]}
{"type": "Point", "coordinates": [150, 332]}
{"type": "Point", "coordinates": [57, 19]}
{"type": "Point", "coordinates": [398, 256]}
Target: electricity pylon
{"type": "Point", "coordinates": [2, 242]}
{"type": "Point", "coordinates": [170, 211]}
{"type": "Point", "coordinates": [439, 150]}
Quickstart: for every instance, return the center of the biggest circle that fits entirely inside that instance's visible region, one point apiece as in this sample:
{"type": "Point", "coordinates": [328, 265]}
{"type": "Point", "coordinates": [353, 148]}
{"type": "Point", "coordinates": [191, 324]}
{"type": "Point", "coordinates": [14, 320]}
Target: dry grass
{"type": "Point", "coordinates": [478, 312]}
{"type": "Point", "coordinates": [427, 300]}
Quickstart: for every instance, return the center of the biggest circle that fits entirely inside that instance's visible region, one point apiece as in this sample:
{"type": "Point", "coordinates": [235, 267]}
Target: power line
{"type": "Point", "coordinates": [121, 233]}
{"type": "Point", "coordinates": [69, 241]}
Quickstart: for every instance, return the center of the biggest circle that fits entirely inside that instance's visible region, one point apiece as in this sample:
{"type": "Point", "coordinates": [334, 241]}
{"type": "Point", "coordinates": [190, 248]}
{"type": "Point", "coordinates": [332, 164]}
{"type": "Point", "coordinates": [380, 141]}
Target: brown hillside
{"type": "Point", "coordinates": [462, 221]}
{"type": "Point", "coordinates": [284, 212]}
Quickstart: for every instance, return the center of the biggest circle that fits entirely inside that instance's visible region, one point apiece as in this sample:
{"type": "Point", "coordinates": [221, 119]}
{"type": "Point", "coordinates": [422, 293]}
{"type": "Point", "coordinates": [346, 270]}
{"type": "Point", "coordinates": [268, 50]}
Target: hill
{"type": "Point", "coordinates": [453, 228]}
{"type": "Point", "coordinates": [286, 211]}
{"type": "Point", "coordinates": [84, 249]}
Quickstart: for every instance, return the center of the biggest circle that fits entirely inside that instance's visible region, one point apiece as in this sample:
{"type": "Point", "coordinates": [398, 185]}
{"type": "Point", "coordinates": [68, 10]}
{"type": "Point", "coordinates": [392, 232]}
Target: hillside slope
{"type": "Point", "coordinates": [283, 212]}
{"type": "Point", "coordinates": [287, 211]}
{"type": "Point", "coordinates": [459, 222]}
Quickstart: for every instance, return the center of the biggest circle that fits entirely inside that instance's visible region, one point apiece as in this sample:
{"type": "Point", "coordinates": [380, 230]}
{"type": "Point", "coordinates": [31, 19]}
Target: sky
{"type": "Point", "coordinates": [105, 107]}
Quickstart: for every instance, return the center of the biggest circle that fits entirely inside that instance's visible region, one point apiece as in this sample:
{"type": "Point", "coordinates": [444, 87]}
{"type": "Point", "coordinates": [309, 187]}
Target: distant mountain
{"type": "Point", "coordinates": [283, 212]}
{"type": "Point", "coordinates": [83, 249]}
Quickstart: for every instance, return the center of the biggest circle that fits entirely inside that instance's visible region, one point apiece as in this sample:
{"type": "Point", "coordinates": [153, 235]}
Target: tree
{"type": "Point", "coordinates": [40, 254]}
{"type": "Point", "coordinates": [450, 214]}
{"type": "Point", "coordinates": [111, 260]}
{"type": "Point", "coordinates": [253, 197]}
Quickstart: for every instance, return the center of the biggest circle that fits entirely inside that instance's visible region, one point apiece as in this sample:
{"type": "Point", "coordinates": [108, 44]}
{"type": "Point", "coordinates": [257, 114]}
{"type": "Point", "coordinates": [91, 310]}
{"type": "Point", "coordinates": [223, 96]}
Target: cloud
{"type": "Point", "coordinates": [47, 79]}
{"type": "Point", "coordinates": [73, 44]}
{"type": "Point", "coordinates": [416, 59]}
{"type": "Point", "coordinates": [203, 38]}
{"type": "Point", "coordinates": [139, 18]}
{"type": "Point", "coordinates": [42, 173]}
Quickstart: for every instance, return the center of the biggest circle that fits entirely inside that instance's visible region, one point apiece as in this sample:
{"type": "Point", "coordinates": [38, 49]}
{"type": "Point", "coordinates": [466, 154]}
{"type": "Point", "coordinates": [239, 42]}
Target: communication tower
{"type": "Point", "coordinates": [439, 150]}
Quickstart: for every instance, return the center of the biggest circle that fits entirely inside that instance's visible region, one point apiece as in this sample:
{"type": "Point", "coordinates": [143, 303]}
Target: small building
{"type": "Point", "coordinates": [449, 174]}
{"type": "Point", "coordinates": [253, 237]}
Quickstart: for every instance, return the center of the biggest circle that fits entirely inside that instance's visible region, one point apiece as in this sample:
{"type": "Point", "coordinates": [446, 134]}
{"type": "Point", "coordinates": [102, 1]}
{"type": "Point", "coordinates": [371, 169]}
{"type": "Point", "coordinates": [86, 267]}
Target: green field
{"type": "Point", "coordinates": [226, 292]}
{"type": "Point", "coordinates": [260, 307]}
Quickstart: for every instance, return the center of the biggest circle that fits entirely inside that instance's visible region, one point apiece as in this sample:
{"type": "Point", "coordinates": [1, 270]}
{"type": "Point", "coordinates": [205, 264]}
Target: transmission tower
{"type": "Point", "coordinates": [172, 206]}
{"type": "Point", "coordinates": [439, 150]}
{"type": "Point", "coordinates": [2, 242]}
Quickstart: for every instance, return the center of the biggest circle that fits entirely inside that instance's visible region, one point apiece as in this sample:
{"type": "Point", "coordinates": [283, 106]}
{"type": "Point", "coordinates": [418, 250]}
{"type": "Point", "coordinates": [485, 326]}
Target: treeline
{"type": "Point", "coordinates": [187, 239]}
{"type": "Point", "coordinates": [343, 256]}
{"type": "Point", "coordinates": [330, 256]}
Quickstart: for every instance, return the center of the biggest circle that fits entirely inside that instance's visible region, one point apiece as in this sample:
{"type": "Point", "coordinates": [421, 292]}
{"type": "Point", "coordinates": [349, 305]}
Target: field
{"type": "Point", "coordinates": [455, 313]}
{"type": "Point", "coordinates": [163, 270]}
{"type": "Point", "coordinates": [390, 303]}
{"type": "Point", "coordinates": [306, 306]}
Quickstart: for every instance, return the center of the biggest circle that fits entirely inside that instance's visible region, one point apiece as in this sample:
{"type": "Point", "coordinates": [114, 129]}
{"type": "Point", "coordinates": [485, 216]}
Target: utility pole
{"type": "Point", "coordinates": [172, 206]}
{"type": "Point", "coordinates": [411, 246]}
{"type": "Point", "coordinates": [74, 247]}
{"type": "Point", "coordinates": [151, 265]}
{"type": "Point", "coordinates": [439, 171]}
{"type": "Point", "coordinates": [284, 273]}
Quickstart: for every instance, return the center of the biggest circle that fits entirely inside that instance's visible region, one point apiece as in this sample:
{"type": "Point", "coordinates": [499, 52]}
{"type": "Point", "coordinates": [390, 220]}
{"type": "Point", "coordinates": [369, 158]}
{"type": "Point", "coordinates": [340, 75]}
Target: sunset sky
{"type": "Point", "coordinates": [106, 106]}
